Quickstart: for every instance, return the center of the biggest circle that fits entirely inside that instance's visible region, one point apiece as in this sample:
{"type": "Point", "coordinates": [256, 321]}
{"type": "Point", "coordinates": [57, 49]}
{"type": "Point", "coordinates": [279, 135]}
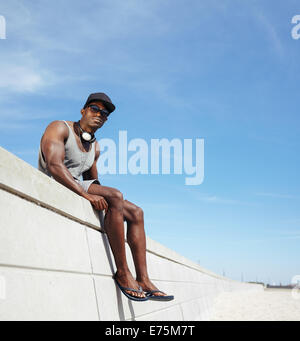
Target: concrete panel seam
{"type": "Point", "coordinates": [91, 263]}
{"type": "Point", "coordinates": [24, 267]}
{"type": "Point", "coordinates": [177, 281]}
{"type": "Point", "coordinates": [88, 245]}
{"type": "Point", "coordinates": [177, 304]}
{"type": "Point", "coordinates": [102, 275]}
{"type": "Point", "coordinates": [160, 280]}
{"type": "Point", "coordinates": [181, 311]}
{"type": "Point", "coordinates": [156, 311]}
{"type": "Point", "coordinates": [97, 303]}
{"type": "Point", "coordinates": [191, 267]}
{"type": "Point", "coordinates": [50, 208]}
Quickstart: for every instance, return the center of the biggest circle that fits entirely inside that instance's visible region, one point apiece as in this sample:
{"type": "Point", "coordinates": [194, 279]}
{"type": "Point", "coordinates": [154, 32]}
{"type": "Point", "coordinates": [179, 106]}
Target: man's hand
{"type": "Point", "coordinates": [97, 201]}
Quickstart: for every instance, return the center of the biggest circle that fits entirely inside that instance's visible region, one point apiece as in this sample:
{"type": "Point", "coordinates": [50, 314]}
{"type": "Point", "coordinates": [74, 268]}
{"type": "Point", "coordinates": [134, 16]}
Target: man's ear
{"type": "Point", "coordinates": [82, 111]}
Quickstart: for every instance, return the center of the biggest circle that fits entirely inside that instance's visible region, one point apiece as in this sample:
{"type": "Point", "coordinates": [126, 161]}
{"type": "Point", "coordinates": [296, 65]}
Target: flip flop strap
{"type": "Point", "coordinates": [130, 289]}
{"type": "Point", "coordinates": [140, 290]}
{"type": "Point", "coordinates": [154, 291]}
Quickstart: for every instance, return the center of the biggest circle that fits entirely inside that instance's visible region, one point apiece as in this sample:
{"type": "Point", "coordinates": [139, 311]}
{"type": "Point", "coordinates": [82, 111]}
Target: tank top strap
{"type": "Point", "coordinates": [70, 130]}
{"type": "Point", "coordinates": [71, 134]}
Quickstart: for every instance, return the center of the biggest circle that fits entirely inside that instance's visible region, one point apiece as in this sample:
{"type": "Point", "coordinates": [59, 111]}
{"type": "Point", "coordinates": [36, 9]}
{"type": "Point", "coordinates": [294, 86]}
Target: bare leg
{"type": "Point", "coordinates": [136, 239]}
{"type": "Point", "coordinates": [114, 227]}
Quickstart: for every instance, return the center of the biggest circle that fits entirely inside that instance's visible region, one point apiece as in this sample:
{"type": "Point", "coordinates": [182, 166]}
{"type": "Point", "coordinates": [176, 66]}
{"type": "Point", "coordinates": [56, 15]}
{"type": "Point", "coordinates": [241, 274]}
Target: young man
{"type": "Point", "coordinates": [69, 153]}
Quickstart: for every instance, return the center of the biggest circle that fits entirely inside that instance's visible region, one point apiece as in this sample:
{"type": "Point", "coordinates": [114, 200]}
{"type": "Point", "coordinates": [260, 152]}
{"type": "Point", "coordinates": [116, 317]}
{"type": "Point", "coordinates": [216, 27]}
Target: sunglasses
{"type": "Point", "coordinates": [96, 109]}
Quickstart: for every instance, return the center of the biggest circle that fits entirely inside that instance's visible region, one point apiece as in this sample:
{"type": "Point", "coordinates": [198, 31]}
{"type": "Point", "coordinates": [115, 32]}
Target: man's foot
{"type": "Point", "coordinates": [148, 286]}
{"type": "Point", "coordinates": [125, 279]}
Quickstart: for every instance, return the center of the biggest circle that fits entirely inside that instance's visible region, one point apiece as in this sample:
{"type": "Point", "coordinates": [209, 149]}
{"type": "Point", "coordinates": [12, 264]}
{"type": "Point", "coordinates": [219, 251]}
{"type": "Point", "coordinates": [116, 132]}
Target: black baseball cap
{"type": "Point", "coordinates": [102, 97]}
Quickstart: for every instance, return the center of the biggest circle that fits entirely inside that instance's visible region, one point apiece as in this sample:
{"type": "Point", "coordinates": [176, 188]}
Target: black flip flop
{"type": "Point", "coordinates": [152, 297]}
{"type": "Point", "coordinates": [134, 298]}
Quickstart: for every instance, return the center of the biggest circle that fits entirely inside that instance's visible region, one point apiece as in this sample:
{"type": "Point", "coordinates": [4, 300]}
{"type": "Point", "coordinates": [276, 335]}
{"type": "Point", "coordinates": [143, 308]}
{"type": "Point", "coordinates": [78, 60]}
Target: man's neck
{"type": "Point", "coordinates": [87, 128]}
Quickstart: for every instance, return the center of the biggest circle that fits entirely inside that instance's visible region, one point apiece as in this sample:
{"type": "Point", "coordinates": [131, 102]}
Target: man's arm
{"type": "Point", "coordinates": [92, 173]}
{"type": "Point", "coordinates": [53, 149]}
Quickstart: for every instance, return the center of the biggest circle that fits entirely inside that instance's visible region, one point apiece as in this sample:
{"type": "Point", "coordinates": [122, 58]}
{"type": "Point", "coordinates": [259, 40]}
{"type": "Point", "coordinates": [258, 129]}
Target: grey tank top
{"type": "Point", "coordinates": [75, 160]}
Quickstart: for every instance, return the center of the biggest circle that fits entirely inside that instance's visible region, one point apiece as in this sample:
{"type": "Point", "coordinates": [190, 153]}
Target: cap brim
{"type": "Point", "coordinates": [109, 106]}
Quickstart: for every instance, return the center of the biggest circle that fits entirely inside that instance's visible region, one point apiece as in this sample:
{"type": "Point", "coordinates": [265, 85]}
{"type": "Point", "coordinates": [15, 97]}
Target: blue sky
{"type": "Point", "coordinates": [223, 71]}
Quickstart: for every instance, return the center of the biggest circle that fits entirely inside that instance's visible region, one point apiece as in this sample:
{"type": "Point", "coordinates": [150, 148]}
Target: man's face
{"type": "Point", "coordinates": [93, 118]}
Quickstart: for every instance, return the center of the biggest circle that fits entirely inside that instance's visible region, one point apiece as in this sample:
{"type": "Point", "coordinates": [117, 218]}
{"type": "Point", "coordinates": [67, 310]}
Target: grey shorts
{"type": "Point", "coordinates": [85, 184]}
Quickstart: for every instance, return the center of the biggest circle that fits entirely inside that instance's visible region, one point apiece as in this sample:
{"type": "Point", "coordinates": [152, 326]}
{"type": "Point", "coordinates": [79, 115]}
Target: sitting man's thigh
{"type": "Point", "coordinates": [109, 193]}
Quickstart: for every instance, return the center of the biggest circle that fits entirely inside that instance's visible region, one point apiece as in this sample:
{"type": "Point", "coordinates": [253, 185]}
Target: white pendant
{"type": "Point", "coordinates": [86, 136]}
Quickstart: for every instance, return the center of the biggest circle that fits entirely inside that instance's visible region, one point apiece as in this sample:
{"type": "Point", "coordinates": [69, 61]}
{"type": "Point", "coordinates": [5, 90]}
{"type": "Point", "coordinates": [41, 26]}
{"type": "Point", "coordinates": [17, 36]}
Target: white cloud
{"type": "Point", "coordinates": [218, 200]}
{"type": "Point", "coordinates": [58, 44]}
{"type": "Point", "coordinates": [276, 195]}
{"type": "Point", "coordinates": [19, 78]}
{"type": "Point", "coordinates": [214, 199]}
{"type": "Point", "coordinates": [22, 72]}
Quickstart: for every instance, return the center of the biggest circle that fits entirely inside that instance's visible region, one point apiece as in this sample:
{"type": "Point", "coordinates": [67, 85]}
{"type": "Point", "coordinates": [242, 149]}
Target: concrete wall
{"type": "Point", "coordinates": [56, 264]}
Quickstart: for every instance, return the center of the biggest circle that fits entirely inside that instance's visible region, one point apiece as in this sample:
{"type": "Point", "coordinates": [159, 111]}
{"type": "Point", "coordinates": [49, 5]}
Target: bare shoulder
{"type": "Point", "coordinates": [60, 125]}
{"type": "Point", "coordinates": [56, 130]}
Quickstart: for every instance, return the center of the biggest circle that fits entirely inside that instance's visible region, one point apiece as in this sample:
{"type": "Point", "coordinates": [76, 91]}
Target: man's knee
{"type": "Point", "coordinates": [138, 214]}
{"type": "Point", "coordinates": [115, 199]}
{"type": "Point", "coordinates": [116, 195]}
